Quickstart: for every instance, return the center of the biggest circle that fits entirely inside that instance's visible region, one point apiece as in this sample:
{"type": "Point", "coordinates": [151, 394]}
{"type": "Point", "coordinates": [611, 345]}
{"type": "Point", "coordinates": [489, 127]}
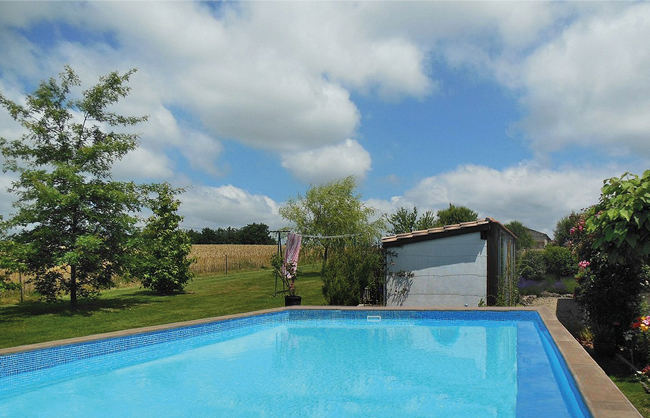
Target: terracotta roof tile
{"type": "Point", "coordinates": [437, 230]}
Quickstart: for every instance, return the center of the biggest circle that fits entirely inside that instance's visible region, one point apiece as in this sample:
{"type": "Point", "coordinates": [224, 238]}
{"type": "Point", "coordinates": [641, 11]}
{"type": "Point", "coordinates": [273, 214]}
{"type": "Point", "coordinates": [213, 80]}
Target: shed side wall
{"type": "Point", "coordinates": [449, 271]}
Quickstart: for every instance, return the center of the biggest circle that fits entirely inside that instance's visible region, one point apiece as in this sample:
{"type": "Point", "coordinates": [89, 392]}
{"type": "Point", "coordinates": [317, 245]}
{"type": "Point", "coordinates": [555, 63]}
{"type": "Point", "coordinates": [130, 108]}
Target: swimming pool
{"type": "Point", "coordinates": [306, 363]}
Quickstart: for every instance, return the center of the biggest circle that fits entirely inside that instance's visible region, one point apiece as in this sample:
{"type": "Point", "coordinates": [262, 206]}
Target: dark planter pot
{"type": "Point", "coordinates": [292, 300]}
{"type": "Point", "coordinates": [604, 348]}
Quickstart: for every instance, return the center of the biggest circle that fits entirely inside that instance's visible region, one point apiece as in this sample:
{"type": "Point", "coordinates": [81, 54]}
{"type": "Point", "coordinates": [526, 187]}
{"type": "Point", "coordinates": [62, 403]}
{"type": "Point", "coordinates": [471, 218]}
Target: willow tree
{"type": "Point", "coordinates": [332, 209]}
{"type": "Point", "coordinates": [346, 231]}
{"type": "Point", "coordinates": [74, 218]}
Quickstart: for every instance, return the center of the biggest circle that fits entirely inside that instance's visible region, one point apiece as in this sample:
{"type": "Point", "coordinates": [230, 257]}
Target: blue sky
{"type": "Point", "coordinates": [518, 110]}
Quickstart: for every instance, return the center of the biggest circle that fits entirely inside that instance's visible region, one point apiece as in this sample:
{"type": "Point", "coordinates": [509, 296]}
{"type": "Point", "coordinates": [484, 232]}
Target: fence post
{"type": "Point", "coordinates": [22, 290]}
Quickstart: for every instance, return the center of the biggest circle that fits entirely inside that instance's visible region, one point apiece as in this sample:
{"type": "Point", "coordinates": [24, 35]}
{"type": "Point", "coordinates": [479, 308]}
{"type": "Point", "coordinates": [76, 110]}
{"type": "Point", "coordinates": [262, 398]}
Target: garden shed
{"type": "Point", "coordinates": [456, 265]}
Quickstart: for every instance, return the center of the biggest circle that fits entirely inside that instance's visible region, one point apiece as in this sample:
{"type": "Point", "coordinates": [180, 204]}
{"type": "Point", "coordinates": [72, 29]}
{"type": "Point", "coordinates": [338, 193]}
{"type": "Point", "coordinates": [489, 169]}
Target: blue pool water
{"type": "Point", "coordinates": [305, 364]}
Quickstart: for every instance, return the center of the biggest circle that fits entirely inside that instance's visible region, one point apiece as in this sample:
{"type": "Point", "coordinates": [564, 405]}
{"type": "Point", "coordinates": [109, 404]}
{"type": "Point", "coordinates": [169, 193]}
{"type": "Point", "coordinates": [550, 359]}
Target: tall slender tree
{"type": "Point", "coordinates": [163, 256]}
{"type": "Point", "coordinates": [75, 219]}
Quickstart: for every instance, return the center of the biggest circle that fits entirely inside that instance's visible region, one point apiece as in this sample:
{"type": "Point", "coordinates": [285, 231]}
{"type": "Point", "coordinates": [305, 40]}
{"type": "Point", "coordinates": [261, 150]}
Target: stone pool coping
{"type": "Point", "coordinates": [600, 394]}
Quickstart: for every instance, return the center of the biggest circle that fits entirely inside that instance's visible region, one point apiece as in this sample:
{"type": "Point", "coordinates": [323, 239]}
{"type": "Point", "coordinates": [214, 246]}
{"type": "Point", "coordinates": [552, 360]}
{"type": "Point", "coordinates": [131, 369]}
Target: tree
{"type": "Point", "coordinates": [163, 259]}
{"type": "Point", "coordinates": [402, 221]}
{"type": "Point", "coordinates": [524, 238]}
{"type": "Point", "coordinates": [405, 220]}
{"type": "Point", "coordinates": [75, 219]}
{"type": "Point", "coordinates": [330, 210]}
{"type": "Point", "coordinates": [12, 255]}
{"type": "Point", "coordinates": [620, 222]}
{"type": "Point", "coordinates": [427, 220]}
{"type": "Point", "coordinates": [562, 232]}
{"type": "Point", "coordinates": [255, 234]}
{"type": "Point", "coordinates": [612, 243]}
{"type": "Point", "coordinates": [454, 215]}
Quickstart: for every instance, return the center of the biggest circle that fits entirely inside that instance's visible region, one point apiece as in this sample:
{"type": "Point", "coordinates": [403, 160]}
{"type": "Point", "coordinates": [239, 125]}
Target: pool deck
{"type": "Point", "coordinates": [601, 395]}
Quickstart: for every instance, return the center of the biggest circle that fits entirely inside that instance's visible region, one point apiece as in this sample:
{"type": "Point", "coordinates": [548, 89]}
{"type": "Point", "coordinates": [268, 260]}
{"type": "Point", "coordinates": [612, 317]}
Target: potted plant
{"type": "Point", "coordinates": [288, 272]}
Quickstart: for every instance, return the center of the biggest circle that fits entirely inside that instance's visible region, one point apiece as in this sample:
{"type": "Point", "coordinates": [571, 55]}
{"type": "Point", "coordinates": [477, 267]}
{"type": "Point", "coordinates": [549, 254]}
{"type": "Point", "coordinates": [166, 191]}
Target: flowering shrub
{"type": "Point", "coordinates": [636, 340]}
{"type": "Point", "coordinates": [608, 292]}
{"type": "Point", "coordinates": [642, 323]}
{"type": "Point", "coordinates": [646, 371]}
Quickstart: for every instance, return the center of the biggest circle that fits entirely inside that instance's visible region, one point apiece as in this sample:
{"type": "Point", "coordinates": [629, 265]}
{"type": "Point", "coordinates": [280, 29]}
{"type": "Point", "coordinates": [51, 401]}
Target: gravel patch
{"type": "Point", "coordinates": [567, 310]}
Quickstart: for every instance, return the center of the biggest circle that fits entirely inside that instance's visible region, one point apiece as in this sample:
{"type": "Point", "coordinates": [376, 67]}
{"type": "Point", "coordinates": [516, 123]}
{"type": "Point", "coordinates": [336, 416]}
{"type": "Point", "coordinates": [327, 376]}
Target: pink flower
{"type": "Point", "coordinates": [584, 264]}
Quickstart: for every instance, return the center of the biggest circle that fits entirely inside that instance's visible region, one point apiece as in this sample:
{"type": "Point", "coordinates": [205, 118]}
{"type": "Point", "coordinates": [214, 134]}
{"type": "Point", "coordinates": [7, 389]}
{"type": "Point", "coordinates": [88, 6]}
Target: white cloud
{"type": "Point", "coordinates": [535, 196]}
{"type": "Point", "coordinates": [224, 206]}
{"type": "Point", "coordinates": [591, 85]}
{"type": "Point", "coordinates": [143, 164]}
{"type": "Point", "coordinates": [274, 76]}
{"type": "Point", "coordinates": [329, 163]}
{"type": "Point", "coordinates": [6, 198]}
{"type": "Point", "coordinates": [268, 75]}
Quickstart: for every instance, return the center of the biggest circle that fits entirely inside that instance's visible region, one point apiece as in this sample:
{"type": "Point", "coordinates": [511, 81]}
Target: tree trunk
{"type": "Point", "coordinates": [73, 286]}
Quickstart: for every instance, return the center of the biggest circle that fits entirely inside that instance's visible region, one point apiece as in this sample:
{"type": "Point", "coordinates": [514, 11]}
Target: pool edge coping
{"type": "Point", "coordinates": [601, 395]}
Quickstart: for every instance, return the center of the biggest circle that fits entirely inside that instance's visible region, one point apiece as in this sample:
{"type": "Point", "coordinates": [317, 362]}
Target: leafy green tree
{"type": "Point", "coordinates": [524, 238]}
{"type": "Point", "coordinates": [75, 219]}
{"type": "Point", "coordinates": [330, 210]}
{"type": "Point", "coordinates": [562, 232]}
{"type": "Point", "coordinates": [454, 215]}
{"type": "Point", "coordinates": [426, 221]}
{"type": "Point", "coordinates": [612, 243]}
{"type": "Point", "coordinates": [12, 256]}
{"type": "Point", "coordinates": [255, 234]}
{"type": "Point", "coordinates": [620, 222]}
{"type": "Point", "coordinates": [163, 262]}
{"type": "Point", "coordinates": [404, 221]}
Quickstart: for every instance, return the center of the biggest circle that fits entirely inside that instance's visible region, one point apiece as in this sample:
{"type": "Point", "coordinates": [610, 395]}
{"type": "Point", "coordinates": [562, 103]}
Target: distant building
{"type": "Point", "coordinates": [455, 265]}
{"type": "Point", "coordinates": [540, 239]}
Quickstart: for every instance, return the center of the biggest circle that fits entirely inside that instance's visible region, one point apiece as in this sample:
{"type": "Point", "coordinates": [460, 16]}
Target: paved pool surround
{"type": "Point", "coordinates": [600, 394]}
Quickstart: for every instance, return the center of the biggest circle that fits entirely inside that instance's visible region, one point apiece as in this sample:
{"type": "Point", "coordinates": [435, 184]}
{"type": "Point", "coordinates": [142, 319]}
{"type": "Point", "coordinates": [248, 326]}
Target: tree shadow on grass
{"type": "Point", "coordinates": [85, 307]}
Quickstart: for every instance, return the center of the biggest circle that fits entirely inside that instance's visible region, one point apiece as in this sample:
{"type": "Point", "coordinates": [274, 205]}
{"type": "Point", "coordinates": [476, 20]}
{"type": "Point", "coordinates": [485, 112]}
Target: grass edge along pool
{"type": "Point", "coordinates": [22, 365]}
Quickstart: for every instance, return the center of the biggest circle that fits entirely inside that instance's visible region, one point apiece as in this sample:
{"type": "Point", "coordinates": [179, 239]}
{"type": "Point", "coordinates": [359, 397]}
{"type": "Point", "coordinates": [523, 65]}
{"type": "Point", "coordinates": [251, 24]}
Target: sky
{"type": "Point", "coordinates": [517, 110]}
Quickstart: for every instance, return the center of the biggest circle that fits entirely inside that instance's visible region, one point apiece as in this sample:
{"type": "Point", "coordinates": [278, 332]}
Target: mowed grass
{"type": "Point", "coordinates": [133, 307]}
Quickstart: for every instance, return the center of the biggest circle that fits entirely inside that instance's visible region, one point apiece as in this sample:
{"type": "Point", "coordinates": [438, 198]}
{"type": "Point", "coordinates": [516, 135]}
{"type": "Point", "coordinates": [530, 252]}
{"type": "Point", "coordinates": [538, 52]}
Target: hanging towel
{"type": "Point", "coordinates": [292, 253]}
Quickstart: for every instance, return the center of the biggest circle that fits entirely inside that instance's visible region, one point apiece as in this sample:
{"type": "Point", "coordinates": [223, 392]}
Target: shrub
{"type": "Point", "coordinates": [559, 262]}
{"type": "Point", "coordinates": [349, 270]}
{"type": "Point", "coordinates": [611, 295]}
{"type": "Point", "coordinates": [531, 265]}
{"type": "Point", "coordinates": [530, 287]}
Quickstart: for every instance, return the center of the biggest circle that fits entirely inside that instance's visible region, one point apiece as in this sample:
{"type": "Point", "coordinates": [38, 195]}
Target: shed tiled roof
{"type": "Point", "coordinates": [432, 233]}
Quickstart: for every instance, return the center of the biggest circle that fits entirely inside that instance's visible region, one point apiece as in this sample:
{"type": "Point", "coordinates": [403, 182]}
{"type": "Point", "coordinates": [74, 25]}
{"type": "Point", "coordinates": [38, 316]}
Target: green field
{"type": "Point", "coordinates": [132, 307]}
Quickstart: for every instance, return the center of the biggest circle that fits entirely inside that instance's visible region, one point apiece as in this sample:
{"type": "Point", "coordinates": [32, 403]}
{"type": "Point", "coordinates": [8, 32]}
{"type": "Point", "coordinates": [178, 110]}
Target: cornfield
{"type": "Point", "coordinates": [209, 259]}
{"type": "Point", "coordinates": [229, 257]}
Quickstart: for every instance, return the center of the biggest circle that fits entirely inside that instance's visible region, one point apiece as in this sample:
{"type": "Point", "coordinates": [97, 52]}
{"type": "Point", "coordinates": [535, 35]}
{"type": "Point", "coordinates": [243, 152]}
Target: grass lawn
{"type": "Point", "coordinates": [132, 307]}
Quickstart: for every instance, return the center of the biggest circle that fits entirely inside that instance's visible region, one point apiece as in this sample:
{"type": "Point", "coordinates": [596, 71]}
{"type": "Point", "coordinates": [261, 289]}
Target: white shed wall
{"type": "Point", "coordinates": [448, 271]}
